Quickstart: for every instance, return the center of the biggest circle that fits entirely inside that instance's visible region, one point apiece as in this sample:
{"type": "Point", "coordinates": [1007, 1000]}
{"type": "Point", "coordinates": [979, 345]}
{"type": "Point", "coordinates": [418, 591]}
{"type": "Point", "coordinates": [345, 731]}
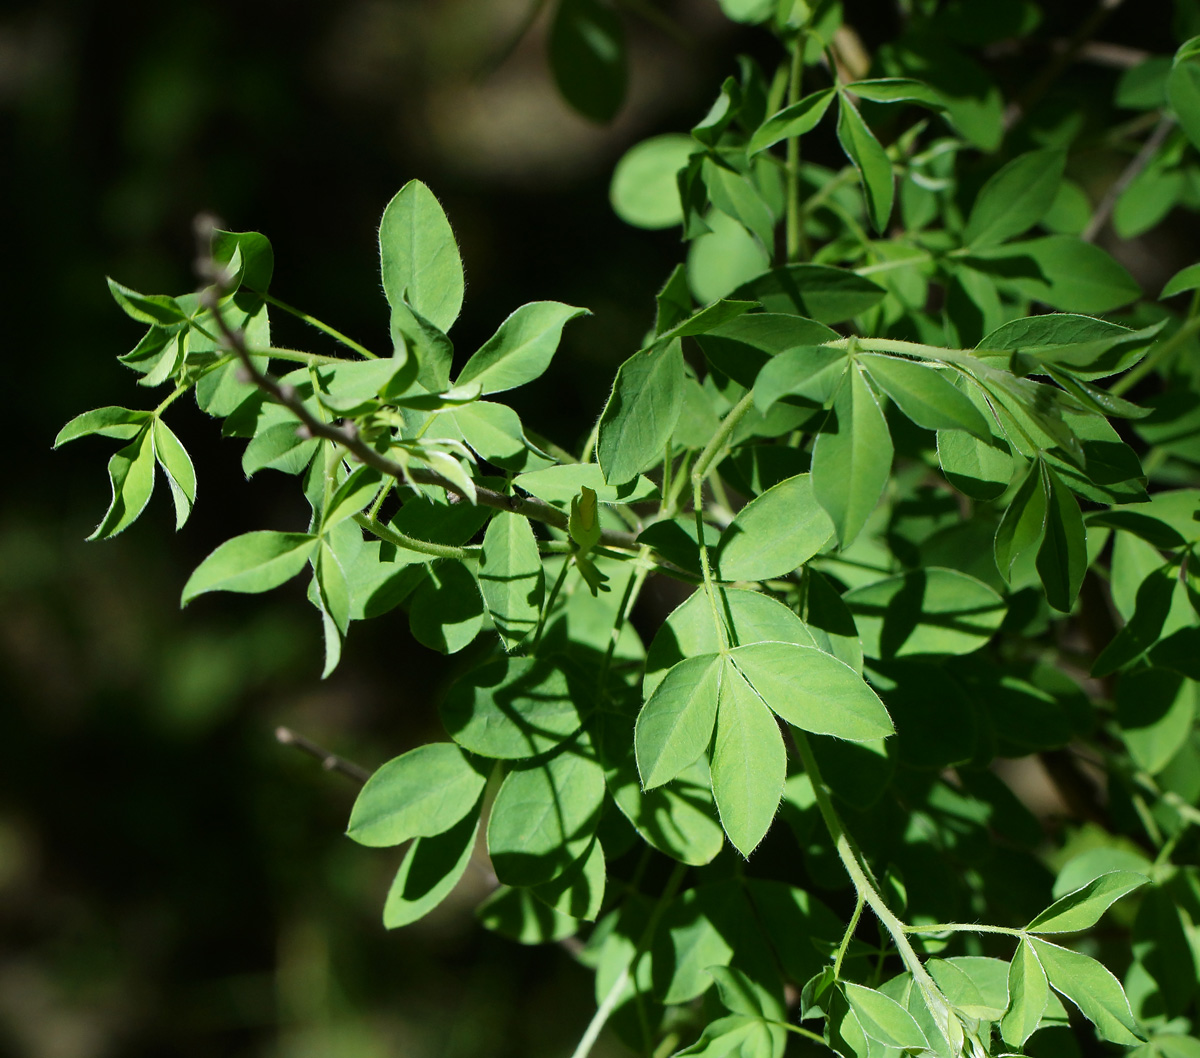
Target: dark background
{"type": "Point", "coordinates": [173, 882]}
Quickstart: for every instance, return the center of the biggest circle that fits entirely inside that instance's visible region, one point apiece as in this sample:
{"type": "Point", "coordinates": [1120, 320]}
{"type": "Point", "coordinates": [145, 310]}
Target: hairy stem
{"type": "Point", "coordinates": [312, 321]}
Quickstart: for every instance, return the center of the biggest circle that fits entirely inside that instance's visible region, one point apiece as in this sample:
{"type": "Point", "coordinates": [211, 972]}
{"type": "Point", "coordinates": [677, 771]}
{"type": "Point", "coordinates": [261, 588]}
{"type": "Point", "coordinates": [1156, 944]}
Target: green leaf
{"type": "Point", "coordinates": [981, 470]}
{"type": "Point", "coordinates": [723, 258]}
{"type": "Point", "coordinates": [521, 349]}
{"type": "Point", "coordinates": [898, 90]}
{"type": "Point", "coordinates": [177, 466]}
{"type": "Point", "coordinates": [1183, 91]}
{"type": "Point", "coordinates": [121, 423]}
{"type": "Point", "coordinates": [423, 792]}
{"type": "Point", "coordinates": [333, 591]}
{"type": "Point", "coordinates": [544, 816]}
{"type": "Point", "coordinates": [1015, 198]}
{"type": "Point", "coordinates": [1183, 280]}
{"type": "Point", "coordinates": [279, 447]}
{"type": "Point", "coordinates": [587, 57]}
{"type": "Point", "coordinates": [924, 395]}
{"type": "Point", "coordinates": [883, 1019]}
{"type": "Point", "coordinates": [852, 462]}
{"type": "Point", "coordinates": [518, 915]}
{"type": "Point", "coordinates": [707, 319]}
{"type": "Point", "coordinates": [561, 484]}
{"type": "Point", "coordinates": [419, 258]}
{"type": "Point", "coordinates": [1028, 992]}
{"type": "Point", "coordinates": [741, 347]}
{"type": "Point", "coordinates": [1062, 271]}
{"type": "Point", "coordinates": [870, 159]}
{"type": "Point", "coordinates": [641, 413]}
{"type": "Point", "coordinates": [252, 253]}
{"type": "Point", "coordinates": [511, 577]}
{"type": "Point", "coordinates": [791, 122]}
{"type": "Point", "coordinates": [816, 292]}
{"type": "Point", "coordinates": [1024, 523]}
{"type": "Point", "coordinates": [579, 890]}
{"type": "Point", "coordinates": [1082, 909]}
{"type": "Point", "coordinates": [925, 611]}
{"type": "Point", "coordinates": [812, 372]}
{"type": "Point", "coordinates": [749, 762]}
{"type": "Point", "coordinates": [512, 708]}
{"type": "Point", "coordinates": [157, 309]}
{"type": "Point", "coordinates": [355, 493]}
{"type": "Point", "coordinates": [675, 725]}
{"type": "Point", "coordinates": [750, 616]}
{"type": "Point", "coordinates": [1094, 990]}
{"type": "Point", "coordinates": [813, 690]}
{"type": "Point", "coordinates": [1089, 348]}
{"type": "Point", "coordinates": [645, 190]}
{"type": "Point", "coordinates": [752, 11]}
{"type": "Point", "coordinates": [736, 195]}
{"type": "Point", "coordinates": [1156, 709]}
{"type": "Point", "coordinates": [354, 387]}
{"type": "Point", "coordinates": [131, 474]}
{"type": "Point", "coordinates": [774, 533]}
{"type": "Point", "coordinates": [1062, 560]}
{"type": "Point", "coordinates": [253, 562]}
{"type": "Point", "coordinates": [429, 872]}
{"type": "Point", "coordinates": [447, 608]}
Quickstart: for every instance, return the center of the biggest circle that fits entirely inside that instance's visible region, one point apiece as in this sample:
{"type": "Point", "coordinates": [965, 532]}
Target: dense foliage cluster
{"type": "Point", "coordinates": [880, 427]}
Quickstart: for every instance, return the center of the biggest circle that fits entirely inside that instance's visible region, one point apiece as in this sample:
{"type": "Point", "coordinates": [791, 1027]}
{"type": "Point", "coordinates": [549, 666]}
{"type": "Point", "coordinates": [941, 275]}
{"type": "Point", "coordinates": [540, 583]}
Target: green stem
{"type": "Point", "coordinates": [799, 1030]}
{"type": "Point", "coordinates": [668, 459]}
{"type": "Point", "coordinates": [848, 935]}
{"type": "Point", "coordinates": [633, 588]}
{"type": "Point", "coordinates": [312, 321]}
{"type": "Point", "coordinates": [963, 927]}
{"type": "Point", "coordinates": [411, 543]}
{"type": "Point", "coordinates": [609, 1003]}
{"type": "Point", "coordinates": [1160, 353]}
{"type": "Point", "coordinates": [545, 618]}
{"type": "Point", "coordinates": [860, 875]}
{"type": "Point", "coordinates": [796, 250]}
{"type": "Point", "coordinates": [170, 399]}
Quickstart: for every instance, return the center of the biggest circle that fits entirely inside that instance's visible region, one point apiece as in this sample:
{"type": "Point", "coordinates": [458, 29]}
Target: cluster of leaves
{"type": "Point", "coordinates": [887, 465]}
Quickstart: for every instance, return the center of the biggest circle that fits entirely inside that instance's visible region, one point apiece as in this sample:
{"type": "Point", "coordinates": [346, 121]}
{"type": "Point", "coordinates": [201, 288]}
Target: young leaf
{"type": "Point", "coordinates": [641, 413]}
{"type": "Point", "coordinates": [774, 533]}
{"type": "Point", "coordinates": [749, 762]}
{"type": "Point", "coordinates": [870, 159]}
{"type": "Point", "coordinates": [813, 690]}
{"type": "Point", "coordinates": [255, 260]}
{"type": "Point", "coordinates": [419, 258]}
{"type": "Point", "coordinates": [1024, 523]}
{"type": "Point", "coordinates": [735, 195]}
{"type": "Point", "coordinates": [883, 1019]}
{"type": "Point", "coordinates": [587, 55]}
{"type": "Point", "coordinates": [252, 562]}
{"type": "Point", "coordinates": [355, 493]}
{"type": "Point", "coordinates": [121, 423]}
{"type": "Point", "coordinates": [813, 372]}
{"type": "Point", "coordinates": [510, 577]}
{"type": "Point", "coordinates": [521, 349]}
{"type": "Point", "coordinates": [423, 792]}
{"type": "Point", "coordinates": [792, 121]}
{"type": "Point", "coordinates": [1183, 280]}
{"type": "Point", "coordinates": [131, 474]}
{"type": "Point", "coordinates": [898, 90]}
{"type": "Point", "coordinates": [924, 395]}
{"type": "Point", "coordinates": [1062, 560]}
{"type": "Point", "coordinates": [675, 725]}
{"type": "Point", "coordinates": [429, 872]}
{"type": "Point", "coordinates": [177, 466]}
{"type": "Point", "coordinates": [279, 447]}
{"type": "Point", "coordinates": [1028, 994]}
{"type": "Point", "coordinates": [1094, 990]}
{"type": "Point", "coordinates": [851, 463]}
{"type": "Point", "coordinates": [560, 485]}
{"type": "Point", "coordinates": [1082, 909]}
{"type": "Point", "coordinates": [1015, 198]}
{"type": "Point", "coordinates": [157, 309]}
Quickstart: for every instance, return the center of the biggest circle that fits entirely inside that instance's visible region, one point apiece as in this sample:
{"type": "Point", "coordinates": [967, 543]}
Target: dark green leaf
{"type": "Point", "coordinates": [587, 56]}
{"type": "Point", "coordinates": [1094, 990]}
{"type": "Point", "coordinates": [1024, 523]}
{"type": "Point", "coordinates": [870, 159]}
{"type": "Point", "coordinates": [791, 122]}
{"type": "Point", "coordinates": [641, 413]}
{"type": "Point", "coordinates": [813, 372]}
{"type": "Point", "coordinates": [1062, 560]}
{"type": "Point", "coordinates": [816, 292]}
{"type": "Point", "coordinates": [1183, 91]}
{"type": "Point", "coordinates": [429, 872]}
{"type": "Point", "coordinates": [1015, 198]}
{"type": "Point", "coordinates": [511, 578]}
{"type": "Point", "coordinates": [924, 395]}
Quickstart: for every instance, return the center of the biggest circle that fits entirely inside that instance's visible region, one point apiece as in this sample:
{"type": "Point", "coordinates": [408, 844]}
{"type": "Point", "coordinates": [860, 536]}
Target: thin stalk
{"type": "Point", "coordinates": [170, 399]}
{"type": "Point", "coordinates": [668, 459]}
{"type": "Point", "coordinates": [848, 935]}
{"type": "Point", "coordinates": [411, 543]}
{"type": "Point", "coordinates": [860, 875]}
{"type": "Point", "coordinates": [312, 321]}
{"type": "Point", "coordinates": [557, 587]}
{"type": "Point", "coordinates": [633, 588]}
{"type": "Point", "coordinates": [609, 1003]}
{"type": "Point", "coordinates": [963, 927]}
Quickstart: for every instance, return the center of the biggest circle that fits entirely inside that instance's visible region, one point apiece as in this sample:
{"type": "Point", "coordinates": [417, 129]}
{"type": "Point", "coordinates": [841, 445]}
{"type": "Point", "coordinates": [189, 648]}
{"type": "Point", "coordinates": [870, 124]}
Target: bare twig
{"type": "Point", "coordinates": [285, 736]}
{"type": "Point", "coordinates": [1130, 173]}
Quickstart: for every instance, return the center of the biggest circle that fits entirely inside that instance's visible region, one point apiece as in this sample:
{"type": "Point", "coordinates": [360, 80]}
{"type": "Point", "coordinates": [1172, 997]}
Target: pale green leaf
{"type": "Point", "coordinates": [252, 562]}
{"type": "Point", "coordinates": [641, 413]}
{"type": "Point", "coordinates": [429, 872]}
{"type": "Point", "coordinates": [521, 349]}
{"type": "Point", "coordinates": [645, 190]}
{"type": "Point", "coordinates": [419, 258]}
{"type": "Point", "coordinates": [511, 577]}
{"type": "Point", "coordinates": [1028, 992]}
{"type": "Point", "coordinates": [774, 533]}
{"type": "Point", "coordinates": [177, 466]}
{"type": "Point", "coordinates": [1015, 198]}
{"type": "Point", "coordinates": [792, 121]}
{"type": "Point", "coordinates": [675, 725]}
{"type": "Point", "coordinates": [121, 423]}
{"type": "Point", "coordinates": [1082, 909]}
{"type": "Point", "coordinates": [883, 1019]}
{"type": "Point", "coordinates": [131, 475]}
{"type": "Point", "coordinates": [924, 395]}
{"type": "Point", "coordinates": [1093, 989]}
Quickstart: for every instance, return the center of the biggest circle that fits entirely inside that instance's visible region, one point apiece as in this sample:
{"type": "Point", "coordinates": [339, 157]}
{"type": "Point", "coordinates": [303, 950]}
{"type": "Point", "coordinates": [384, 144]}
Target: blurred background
{"type": "Point", "coordinates": [172, 881]}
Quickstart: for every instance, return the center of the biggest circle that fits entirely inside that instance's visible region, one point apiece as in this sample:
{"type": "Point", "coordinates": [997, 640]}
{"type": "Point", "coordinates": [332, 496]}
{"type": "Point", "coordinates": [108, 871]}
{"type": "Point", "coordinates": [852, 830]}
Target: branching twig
{"type": "Point", "coordinates": [347, 435]}
{"type": "Point", "coordinates": [329, 761]}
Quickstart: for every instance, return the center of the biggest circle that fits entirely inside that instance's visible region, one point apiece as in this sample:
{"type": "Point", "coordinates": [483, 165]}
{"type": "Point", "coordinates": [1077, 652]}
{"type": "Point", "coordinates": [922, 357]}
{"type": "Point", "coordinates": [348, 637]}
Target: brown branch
{"type": "Point", "coordinates": [285, 736]}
